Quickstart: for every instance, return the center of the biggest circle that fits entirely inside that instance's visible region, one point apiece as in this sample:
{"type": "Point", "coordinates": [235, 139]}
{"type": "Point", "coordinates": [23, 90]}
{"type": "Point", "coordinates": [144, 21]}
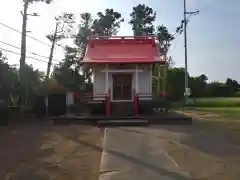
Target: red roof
{"type": "Point", "coordinates": [118, 50]}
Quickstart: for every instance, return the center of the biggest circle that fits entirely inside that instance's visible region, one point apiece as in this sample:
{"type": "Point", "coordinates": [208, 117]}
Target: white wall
{"type": "Point", "coordinates": [144, 79]}
{"type": "Point", "coordinates": [70, 98]}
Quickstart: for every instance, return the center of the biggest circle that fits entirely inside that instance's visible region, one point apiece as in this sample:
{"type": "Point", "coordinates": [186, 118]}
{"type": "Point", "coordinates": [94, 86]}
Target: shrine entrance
{"type": "Point", "coordinates": [122, 86]}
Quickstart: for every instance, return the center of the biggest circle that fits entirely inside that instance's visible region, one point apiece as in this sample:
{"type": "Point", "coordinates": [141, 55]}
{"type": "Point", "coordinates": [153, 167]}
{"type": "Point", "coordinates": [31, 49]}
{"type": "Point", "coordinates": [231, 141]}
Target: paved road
{"type": "Point", "coordinates": [133, 153]}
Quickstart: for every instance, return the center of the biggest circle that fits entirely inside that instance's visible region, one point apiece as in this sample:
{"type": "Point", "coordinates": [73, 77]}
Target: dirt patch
{"type": "Point", "coordinates": [43, 151]}
{"type": "Point", "coordinates": [201, 115]}
{"type": "Point", "coordinates": [205, 149]}
{"type": "Point", "coordinates": [215, 120]}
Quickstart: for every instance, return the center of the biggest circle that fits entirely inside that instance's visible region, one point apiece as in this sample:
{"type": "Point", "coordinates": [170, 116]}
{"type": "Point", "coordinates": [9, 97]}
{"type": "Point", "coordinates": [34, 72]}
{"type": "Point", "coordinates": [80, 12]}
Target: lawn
{"type": "Point", "coordinates": [226, 112]}
{"type": "Point", "coordinates": [227, 117]}
{"type": "Point", "coordinates": [215, 102]}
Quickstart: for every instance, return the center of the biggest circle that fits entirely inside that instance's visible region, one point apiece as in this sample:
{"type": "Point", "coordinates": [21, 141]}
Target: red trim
{"type": "Point", "coordinates": [117, 41]}
{"type": "Point", "coordinates": [120, 60]}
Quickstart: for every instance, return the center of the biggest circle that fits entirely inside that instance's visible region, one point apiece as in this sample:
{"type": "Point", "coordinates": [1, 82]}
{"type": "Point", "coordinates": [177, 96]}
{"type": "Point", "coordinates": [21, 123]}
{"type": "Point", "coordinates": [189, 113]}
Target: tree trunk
{"type": "Point", "coordinates": [23, 52]}
{"type": "Point", "coordinates": [165, 68]}
{"type": "Point", "coordinates": [23, 39]}
{"type": "Point", "coordinates": [51, 52]}
{"type": "Point", "coordinates": [87, 72]}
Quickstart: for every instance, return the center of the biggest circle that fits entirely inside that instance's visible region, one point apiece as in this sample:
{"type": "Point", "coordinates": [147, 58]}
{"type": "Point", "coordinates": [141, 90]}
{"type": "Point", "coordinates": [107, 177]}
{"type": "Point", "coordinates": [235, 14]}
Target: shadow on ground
{"type": "Point", "coordinates": [208, 136]}
{"type": "Point", "coordinates": [41, 151]}
{"type": "Point", "coordinates": [137, 161]}
{"type": "Point", "coordinates": [206, 149]}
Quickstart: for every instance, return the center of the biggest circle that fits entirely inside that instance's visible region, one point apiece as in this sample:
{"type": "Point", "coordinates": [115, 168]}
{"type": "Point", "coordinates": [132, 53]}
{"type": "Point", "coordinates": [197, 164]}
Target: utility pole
{"type": "Point", "coordinates": [23, 46]}
{"type": "Point", "coordinates": [23, 36]}
{"type": "Point", "coordinates": [185, 52]}
{"type": "Point", "coordinates": [51, 51]}
{"type": "Point", "coordinates": [185, 21]}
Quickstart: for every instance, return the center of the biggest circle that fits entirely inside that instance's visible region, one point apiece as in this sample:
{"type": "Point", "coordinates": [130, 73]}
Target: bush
{"type": "Point", "coordinates": [237, 94]}
{"type": "Point", "coordinates": [3, 116]}
{"type": "Point", "coordinates": [72, 109]}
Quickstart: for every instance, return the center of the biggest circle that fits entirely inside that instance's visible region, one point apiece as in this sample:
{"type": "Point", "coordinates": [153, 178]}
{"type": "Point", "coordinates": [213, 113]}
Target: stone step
{"type": "Point", "coordinates": [116, 123]}
{"type": "Point", "coordinates": [122, 108]}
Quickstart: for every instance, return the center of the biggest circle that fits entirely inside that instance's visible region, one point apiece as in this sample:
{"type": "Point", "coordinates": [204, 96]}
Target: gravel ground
{"type": "Point", "coordinates": [208, 150]}
{"type": "Point", "coordinates": [202, 150]}
{"type": "Point", "coordinates": [42, 151]}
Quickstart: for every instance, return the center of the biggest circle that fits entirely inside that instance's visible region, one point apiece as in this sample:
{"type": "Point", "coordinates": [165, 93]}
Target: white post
{"type": "Point", "coordinates": [46, 103]}
{"type": "Point", "coordinates": [136, 79]}
{"type": "Point", "coordinates": [70, 98]}
{"type": "Point", "coordinates": [106, 78]}
{"type": "Point", "coordinates": [93, 74]}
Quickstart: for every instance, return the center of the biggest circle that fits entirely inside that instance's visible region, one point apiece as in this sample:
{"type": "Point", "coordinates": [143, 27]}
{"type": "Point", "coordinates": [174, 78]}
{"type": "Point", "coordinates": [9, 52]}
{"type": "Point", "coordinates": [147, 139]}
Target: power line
{"type": "Point", "coordinates": [28, 35]}
{"type": "Point", "coordinates": [27, 51]}
{"type": "Point", "coordinates": [180, 29]}
{"type": "Point", "coordinates": [10, 27]}
{"type": "Point", "coordinates": [7, 50]}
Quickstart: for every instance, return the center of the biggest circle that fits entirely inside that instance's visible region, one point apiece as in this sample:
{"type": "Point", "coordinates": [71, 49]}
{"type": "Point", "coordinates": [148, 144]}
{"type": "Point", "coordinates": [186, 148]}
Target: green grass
{"type": "Point", "coordinates": [229, 117]}
{"type": "Point", "coordinates": [229, 113]}
{"type": "Point", "coordinates": [215, 102]}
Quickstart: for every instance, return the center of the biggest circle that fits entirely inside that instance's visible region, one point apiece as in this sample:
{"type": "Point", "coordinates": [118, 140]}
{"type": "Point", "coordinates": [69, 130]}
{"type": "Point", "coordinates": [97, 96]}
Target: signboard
{"type": "Point", "coordinates": [187, 92]}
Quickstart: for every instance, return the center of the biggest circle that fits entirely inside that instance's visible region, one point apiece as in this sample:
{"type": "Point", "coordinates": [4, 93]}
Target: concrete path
{"type": "Point", "coordinates": [133, 153]}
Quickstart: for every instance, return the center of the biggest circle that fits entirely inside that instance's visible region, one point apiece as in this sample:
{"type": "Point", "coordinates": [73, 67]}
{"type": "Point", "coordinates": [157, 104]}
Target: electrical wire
{"type": "Point", "coordinates": [28, 51]}
{"type": "Point", "coordinates": [13, 29]}
{"type": "Point", "coordinates": [7, 50]}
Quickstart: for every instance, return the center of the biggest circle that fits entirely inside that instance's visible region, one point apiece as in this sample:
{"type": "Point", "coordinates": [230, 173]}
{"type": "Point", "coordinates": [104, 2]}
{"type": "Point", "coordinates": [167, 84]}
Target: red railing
{"type": "Point", "coordinates": [163, 94]}
{"type": "Point", "coordinates": [108, 99]}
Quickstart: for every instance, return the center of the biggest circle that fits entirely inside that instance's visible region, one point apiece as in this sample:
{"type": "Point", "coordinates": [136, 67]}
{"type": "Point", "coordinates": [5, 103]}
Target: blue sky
{"type": "Point", "coordinates": [213, 35]}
